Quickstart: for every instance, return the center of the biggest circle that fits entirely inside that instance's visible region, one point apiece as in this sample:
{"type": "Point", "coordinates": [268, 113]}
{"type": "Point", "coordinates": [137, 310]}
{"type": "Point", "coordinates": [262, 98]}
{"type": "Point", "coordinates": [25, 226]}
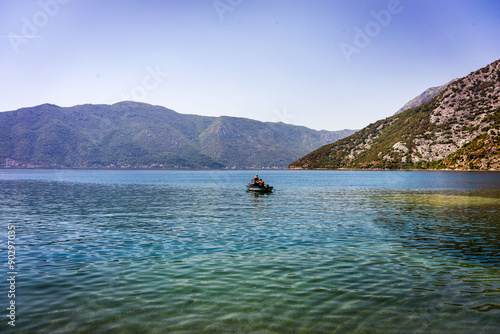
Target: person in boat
{"type": "Point", "coordinates": [255, 180]}
{"type": "Point", "coordinates": [261, 183]}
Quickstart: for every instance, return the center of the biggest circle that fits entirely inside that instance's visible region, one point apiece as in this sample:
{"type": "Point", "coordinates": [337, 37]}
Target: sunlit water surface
{"type": "Point", "coordinates": [192, 252]}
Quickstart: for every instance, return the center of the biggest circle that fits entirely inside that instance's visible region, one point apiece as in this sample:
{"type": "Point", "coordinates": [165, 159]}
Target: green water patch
{"type": "Point", "coordinates": [440, 199]}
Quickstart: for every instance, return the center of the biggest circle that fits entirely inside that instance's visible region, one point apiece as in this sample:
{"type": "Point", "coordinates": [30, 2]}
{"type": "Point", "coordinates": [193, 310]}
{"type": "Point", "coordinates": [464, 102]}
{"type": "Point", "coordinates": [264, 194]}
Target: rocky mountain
{"type": "Point", "coordinates": [427, 95]}
{"type": "Point", "coordinates": [457, 129]}
{"type": "Point", "coordinates": [138, 135]}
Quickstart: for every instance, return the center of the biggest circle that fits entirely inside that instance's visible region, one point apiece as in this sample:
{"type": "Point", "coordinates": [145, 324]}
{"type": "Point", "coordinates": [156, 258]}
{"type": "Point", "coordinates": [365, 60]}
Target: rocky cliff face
{"type": "Point", "coordinates": [457, 129]}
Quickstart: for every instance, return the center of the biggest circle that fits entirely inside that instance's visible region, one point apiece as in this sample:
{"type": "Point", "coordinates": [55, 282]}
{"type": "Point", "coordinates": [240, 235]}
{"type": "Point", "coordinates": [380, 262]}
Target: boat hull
{"type": "Point", "coordinates": [257, 189]}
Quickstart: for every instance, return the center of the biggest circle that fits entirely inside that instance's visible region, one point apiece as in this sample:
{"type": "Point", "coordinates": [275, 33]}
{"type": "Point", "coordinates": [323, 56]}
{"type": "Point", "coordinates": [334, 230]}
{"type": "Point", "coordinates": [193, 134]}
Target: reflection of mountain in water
{"type": "Point", "coordinates": [456, 224]}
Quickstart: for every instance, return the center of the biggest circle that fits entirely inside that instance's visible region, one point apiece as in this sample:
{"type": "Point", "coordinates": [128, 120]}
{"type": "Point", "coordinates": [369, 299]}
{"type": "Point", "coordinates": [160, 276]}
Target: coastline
{"type": "Point", "coordinates": [244, 169]}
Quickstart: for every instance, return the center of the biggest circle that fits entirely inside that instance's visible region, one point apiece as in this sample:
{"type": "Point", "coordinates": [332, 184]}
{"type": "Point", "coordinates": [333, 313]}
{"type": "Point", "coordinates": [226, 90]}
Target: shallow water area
{"type": "Point", "coordinates": [191, 251]}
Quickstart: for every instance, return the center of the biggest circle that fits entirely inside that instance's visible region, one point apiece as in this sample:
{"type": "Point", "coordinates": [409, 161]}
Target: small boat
{"type": "Point", "coordinates": [259, 189]}
{"type": "Point", "coordinates": [258, 186]}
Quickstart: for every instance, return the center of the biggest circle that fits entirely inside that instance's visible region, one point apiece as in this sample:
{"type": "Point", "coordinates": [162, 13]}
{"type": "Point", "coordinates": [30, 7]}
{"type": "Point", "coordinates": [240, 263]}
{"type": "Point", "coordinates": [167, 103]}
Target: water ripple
{"type": "Point", "coordinates": [340, 255]}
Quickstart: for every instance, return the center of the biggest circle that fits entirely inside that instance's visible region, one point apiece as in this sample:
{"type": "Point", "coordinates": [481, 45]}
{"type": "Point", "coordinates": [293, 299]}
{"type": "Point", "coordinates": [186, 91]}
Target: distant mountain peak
{"type": "Point", "coordinates": [134, 104]}
{"type": "Point", "coordinates": [427, 95]}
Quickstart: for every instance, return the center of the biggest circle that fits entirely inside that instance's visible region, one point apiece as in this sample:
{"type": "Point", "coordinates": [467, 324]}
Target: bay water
{"type": "Point", "coordinates": [134, 251]}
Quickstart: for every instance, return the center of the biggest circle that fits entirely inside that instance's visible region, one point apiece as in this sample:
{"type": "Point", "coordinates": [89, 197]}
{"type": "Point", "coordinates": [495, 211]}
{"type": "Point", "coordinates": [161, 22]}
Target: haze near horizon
{"type": "Point", "coordinates": [321, 64]}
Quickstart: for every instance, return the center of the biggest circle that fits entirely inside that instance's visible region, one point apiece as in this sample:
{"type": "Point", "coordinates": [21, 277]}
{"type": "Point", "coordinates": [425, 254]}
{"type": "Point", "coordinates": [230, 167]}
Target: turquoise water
{"type": "Point", "coordinates": [192, 252]}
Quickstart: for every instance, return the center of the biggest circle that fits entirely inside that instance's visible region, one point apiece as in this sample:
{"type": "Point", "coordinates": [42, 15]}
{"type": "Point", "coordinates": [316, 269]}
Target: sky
{"type": "Point", "coordinates": [337, 64]}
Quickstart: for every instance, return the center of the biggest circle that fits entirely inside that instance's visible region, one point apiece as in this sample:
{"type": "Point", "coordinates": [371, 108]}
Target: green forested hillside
{"type": "Point", "coordinates": [458, 129]}
{"type": "Point", "coordinates": [138, 135]}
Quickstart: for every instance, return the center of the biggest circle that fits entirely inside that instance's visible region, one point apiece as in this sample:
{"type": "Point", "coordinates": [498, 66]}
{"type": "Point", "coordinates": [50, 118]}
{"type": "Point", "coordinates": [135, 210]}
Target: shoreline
{"type": "Point", "coordinates": [249, 169]}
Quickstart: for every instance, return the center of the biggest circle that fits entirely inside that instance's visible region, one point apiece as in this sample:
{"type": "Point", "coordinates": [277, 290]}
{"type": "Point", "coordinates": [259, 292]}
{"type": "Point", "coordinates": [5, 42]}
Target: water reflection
{"type": "Point", "coordinates": [455, 224]}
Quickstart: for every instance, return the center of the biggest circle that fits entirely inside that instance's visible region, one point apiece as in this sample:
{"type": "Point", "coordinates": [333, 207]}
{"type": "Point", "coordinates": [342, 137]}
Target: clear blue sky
{"type": "Point", "coordinates": [322, 64]}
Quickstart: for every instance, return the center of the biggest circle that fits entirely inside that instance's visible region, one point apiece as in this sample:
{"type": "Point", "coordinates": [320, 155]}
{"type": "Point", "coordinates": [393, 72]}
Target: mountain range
{"type": "Point", "coordinates": [138, 135]}
{"type": "Point", "coordinates": [459, 128]}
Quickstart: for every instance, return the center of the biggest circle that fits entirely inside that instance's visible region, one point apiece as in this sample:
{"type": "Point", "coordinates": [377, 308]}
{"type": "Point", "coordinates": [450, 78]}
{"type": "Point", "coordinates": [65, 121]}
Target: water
{"type": "Point", "coordinates": [192, 252]}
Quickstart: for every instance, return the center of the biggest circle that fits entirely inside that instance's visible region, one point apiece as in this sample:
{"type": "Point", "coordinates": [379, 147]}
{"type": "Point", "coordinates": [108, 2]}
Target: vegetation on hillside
{"type": "Point", "coordinates": [457, 129]}
{"type": "Point", "coordinates": [138, 135]}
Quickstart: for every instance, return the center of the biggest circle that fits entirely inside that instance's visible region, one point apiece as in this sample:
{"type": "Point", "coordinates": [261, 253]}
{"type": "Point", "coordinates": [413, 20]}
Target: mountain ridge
{"type": "Point", "coordinates": [423, 97]}
{"type": "Point", "coordinates": [138, 135]}
{"type": "Point", "coordinates": [457, 129]}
